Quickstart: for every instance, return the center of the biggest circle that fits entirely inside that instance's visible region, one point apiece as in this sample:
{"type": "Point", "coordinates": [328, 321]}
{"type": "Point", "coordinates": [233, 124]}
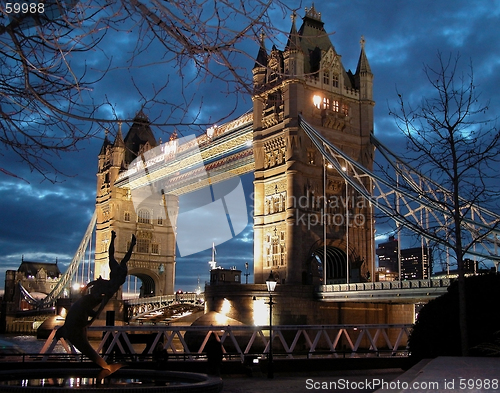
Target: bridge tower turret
{"type": "Point", "coordinates": [119, 209]}
{"type": "Point", "coordinates": [307, 78]}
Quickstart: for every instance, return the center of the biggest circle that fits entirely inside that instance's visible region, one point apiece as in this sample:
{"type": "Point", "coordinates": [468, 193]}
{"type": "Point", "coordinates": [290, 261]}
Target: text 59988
{"type": "Point", "coordinates": [24, 8]}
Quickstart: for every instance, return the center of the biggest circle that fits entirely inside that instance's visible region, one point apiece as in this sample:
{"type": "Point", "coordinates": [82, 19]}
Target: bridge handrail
{"type": "Point", "coordinates": [245, 340]}
{"type": "Point", "coordinates": [185, 296]}
{"type": "Point", "coordinates": [385, 285]}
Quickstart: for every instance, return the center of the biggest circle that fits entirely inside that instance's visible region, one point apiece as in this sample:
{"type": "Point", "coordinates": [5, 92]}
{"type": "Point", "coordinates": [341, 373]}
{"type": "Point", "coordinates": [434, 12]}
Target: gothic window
{"type": "Point", "coordinates": [126, 216]}
{"type": "Point", "coordinates": [335, 80]}
{"type": "Point", "coordinates": [274, 100]}
{"type": "Point", "coordinates": [345, 109]}
{"type": "Point", "coordinates": [326, 103]}
{"type": "Point", "coordinates": [283, 202]}
{"type": "Point", "coordinates": [160, 220]}
{"type": "Point", "coordinates": [326, 77]}
{"type": "Point", "coordinates": [335, 106]}
{"type": "Point", "coordinates": [143, 216]}
{"type": "Point", "coordinates": [276, 203]}
{"type": "Point", "coordinates": [143, 245]}
{"type": "Point", "coordinates": [275, 65]}
{"type": "Point", "coordinates": [155, 248]}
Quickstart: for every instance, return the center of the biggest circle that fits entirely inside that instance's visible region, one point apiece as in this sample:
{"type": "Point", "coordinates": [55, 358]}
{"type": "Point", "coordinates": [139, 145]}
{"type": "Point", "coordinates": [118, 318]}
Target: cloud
{"type": "Point", "coordinates": [47, 220]}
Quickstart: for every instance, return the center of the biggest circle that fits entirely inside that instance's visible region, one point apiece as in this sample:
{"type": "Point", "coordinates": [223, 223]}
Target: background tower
{"type": "Point", "coordinates": [153, 260]}
{"type": "Point", "coordinates": [308, 78]}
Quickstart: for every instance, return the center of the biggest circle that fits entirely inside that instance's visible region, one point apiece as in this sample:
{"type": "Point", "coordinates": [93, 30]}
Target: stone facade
{"type": "Point", "coordinates": [153, 260]}
{"type": "Point", "coordinates": [307, 78]}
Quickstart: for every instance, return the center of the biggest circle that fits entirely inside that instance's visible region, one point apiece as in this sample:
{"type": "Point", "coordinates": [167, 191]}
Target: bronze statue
{"type": "Point", "coordinates": [82, 313]}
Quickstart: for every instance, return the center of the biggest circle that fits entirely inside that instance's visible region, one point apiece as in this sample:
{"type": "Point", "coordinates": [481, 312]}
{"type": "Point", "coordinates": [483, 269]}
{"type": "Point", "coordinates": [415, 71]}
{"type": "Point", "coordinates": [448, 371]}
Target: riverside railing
{"type": "Point", "coordinates": [297, 341]}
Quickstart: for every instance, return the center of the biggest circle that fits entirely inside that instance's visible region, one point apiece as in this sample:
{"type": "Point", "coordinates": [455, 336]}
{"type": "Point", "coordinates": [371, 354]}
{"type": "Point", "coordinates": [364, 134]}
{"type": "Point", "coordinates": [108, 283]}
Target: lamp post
{"type": "Point", "coordinates": [271, 285]}
{"type": "Point", "coordinates": [246, 274]}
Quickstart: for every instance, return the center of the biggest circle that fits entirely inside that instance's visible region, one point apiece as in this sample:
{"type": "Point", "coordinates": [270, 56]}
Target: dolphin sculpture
{"type": "Point", "coordinates": [77, 321]}
{"type": "Point", "coordinates": [83, 312]}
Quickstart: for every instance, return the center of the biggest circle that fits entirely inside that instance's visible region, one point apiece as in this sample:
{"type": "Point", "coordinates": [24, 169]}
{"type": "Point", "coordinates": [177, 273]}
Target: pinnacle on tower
{"type": "Point", "coordinates": [261, 60]}
{"type": "Point", "coordinates": [363, 65]}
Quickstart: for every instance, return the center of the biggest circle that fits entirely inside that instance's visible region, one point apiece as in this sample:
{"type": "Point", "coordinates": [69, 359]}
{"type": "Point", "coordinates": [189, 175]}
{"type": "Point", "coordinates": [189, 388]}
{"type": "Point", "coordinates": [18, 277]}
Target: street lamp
{"type": "Point", "coordinates": [271, 286]}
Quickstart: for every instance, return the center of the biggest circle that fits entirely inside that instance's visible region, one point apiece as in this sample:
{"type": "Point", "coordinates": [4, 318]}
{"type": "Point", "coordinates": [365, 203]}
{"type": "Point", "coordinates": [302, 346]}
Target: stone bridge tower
{"type": "Point", "coordinates": [308, 78]}
{"type": "Point", "coordinates": [118, 209]}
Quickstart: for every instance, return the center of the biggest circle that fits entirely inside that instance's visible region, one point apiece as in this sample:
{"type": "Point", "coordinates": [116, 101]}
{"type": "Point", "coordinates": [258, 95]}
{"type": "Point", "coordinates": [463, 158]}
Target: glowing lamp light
{"type": "Point", "coordinates": [317, 101]}
{"type": "Point", "coordinates": [271, 283]}
{"type": "Point", "coordinates": [211, 131]}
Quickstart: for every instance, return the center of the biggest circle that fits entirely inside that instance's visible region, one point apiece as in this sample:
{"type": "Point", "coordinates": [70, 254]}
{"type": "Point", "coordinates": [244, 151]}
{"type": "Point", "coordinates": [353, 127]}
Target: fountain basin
{"type": "Point", "coordinates": [123, 381]}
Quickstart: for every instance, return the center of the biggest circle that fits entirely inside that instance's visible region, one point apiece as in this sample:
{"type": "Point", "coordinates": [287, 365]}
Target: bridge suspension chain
{"type": "Point", "coordinates": [403, 195]}
{"type": "Point", "coordinates": [73, 266]}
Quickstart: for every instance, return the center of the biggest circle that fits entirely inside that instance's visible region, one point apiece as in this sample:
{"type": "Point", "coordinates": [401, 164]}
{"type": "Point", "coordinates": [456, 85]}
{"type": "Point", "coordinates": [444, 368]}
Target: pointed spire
{"type": "Point", "coordinates": [293, 38]}
{"type": "Point", "coordinates": [261, 60]}
{"type": "Point", "coordinates": [105, 144]}
{"type": "Point", "coordinates": [119, 137]}
{"type": "Point", "coordinates": [363, 65]}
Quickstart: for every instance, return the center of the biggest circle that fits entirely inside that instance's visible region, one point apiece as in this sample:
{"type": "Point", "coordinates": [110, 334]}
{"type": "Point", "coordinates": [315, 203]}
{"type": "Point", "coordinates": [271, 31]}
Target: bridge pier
{"type": "Point", "coordinates": [299, 305]}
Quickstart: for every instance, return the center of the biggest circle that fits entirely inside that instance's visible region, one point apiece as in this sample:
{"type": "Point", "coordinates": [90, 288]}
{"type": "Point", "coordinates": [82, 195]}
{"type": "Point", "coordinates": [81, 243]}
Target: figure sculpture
{"type": "Point", "coordinates": [83, 312]}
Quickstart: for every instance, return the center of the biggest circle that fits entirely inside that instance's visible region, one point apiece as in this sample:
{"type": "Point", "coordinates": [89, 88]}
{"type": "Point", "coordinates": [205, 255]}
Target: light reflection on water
{"type": "Point", "coordinates": [74, 383]}
{"type": "Point", "coordinates": [29, 344]}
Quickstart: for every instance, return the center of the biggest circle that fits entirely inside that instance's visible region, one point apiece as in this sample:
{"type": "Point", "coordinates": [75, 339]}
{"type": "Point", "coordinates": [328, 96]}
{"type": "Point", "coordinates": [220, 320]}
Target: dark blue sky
{"type": "Point", "coordinates": [45, 221]}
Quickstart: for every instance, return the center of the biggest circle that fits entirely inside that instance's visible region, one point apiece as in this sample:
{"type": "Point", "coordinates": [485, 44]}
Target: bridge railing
{"type": "Point", "coordinates": [385, 285]}
{"type": "Point", "coordinates": [142, 306]}
{"type": "Point", "coordinates": [297, 341]}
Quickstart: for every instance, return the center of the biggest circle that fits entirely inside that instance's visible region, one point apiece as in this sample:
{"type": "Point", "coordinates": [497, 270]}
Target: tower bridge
{"type": "Point", "coordinates": [308, 141]}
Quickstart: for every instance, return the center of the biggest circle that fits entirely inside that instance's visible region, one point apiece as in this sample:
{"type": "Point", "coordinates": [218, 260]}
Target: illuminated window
{"type": "Point", "coordinates": [335, 106]}
{"type": "Point", "coordinates": [326, 103]}
{"type": "Point", "coordinates": [345, 109]}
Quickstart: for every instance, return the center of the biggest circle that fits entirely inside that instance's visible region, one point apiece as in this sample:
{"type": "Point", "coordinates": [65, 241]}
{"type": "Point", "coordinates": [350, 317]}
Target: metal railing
{"type": "Point", "coordinates": [297, 341]}
{"type": "Point", "coordinates": [385, 285]}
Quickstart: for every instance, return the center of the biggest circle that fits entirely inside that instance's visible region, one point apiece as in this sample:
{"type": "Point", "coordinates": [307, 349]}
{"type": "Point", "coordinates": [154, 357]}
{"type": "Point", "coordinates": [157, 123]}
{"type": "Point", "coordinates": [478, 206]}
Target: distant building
{"type": "Point", "coordinates": [388, 260]}
{"type": "Point", "coordinates": [416, 262]}
{"type": "Point", "coordinates": [225, 276]}
{"type": "Point", "coordinates": [38, 278]}
{"type": "Point", "coordinates": [470, 267]}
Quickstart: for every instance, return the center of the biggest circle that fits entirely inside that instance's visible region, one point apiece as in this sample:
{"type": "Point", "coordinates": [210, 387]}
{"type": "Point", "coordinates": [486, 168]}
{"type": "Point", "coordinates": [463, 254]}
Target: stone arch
{"type": "Point", "coordinates": [150, 283]}
{"type": "Point", "coordinates": [336, 263]}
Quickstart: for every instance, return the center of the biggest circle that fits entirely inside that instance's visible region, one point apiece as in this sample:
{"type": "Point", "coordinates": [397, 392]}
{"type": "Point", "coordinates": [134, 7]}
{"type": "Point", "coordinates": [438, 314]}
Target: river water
{"type": "Point", "coordinates": [29, 344]}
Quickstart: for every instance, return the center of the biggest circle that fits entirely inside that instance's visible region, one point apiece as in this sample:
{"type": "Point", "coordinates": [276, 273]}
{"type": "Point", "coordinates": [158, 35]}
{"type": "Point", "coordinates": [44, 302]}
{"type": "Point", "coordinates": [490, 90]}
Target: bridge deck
{"type": "Point", "coordinates": [386, 291]}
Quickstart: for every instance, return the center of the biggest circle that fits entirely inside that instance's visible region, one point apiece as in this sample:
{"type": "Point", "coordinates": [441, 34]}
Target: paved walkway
{"type": "Point", "coordinates": [326, 381]}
